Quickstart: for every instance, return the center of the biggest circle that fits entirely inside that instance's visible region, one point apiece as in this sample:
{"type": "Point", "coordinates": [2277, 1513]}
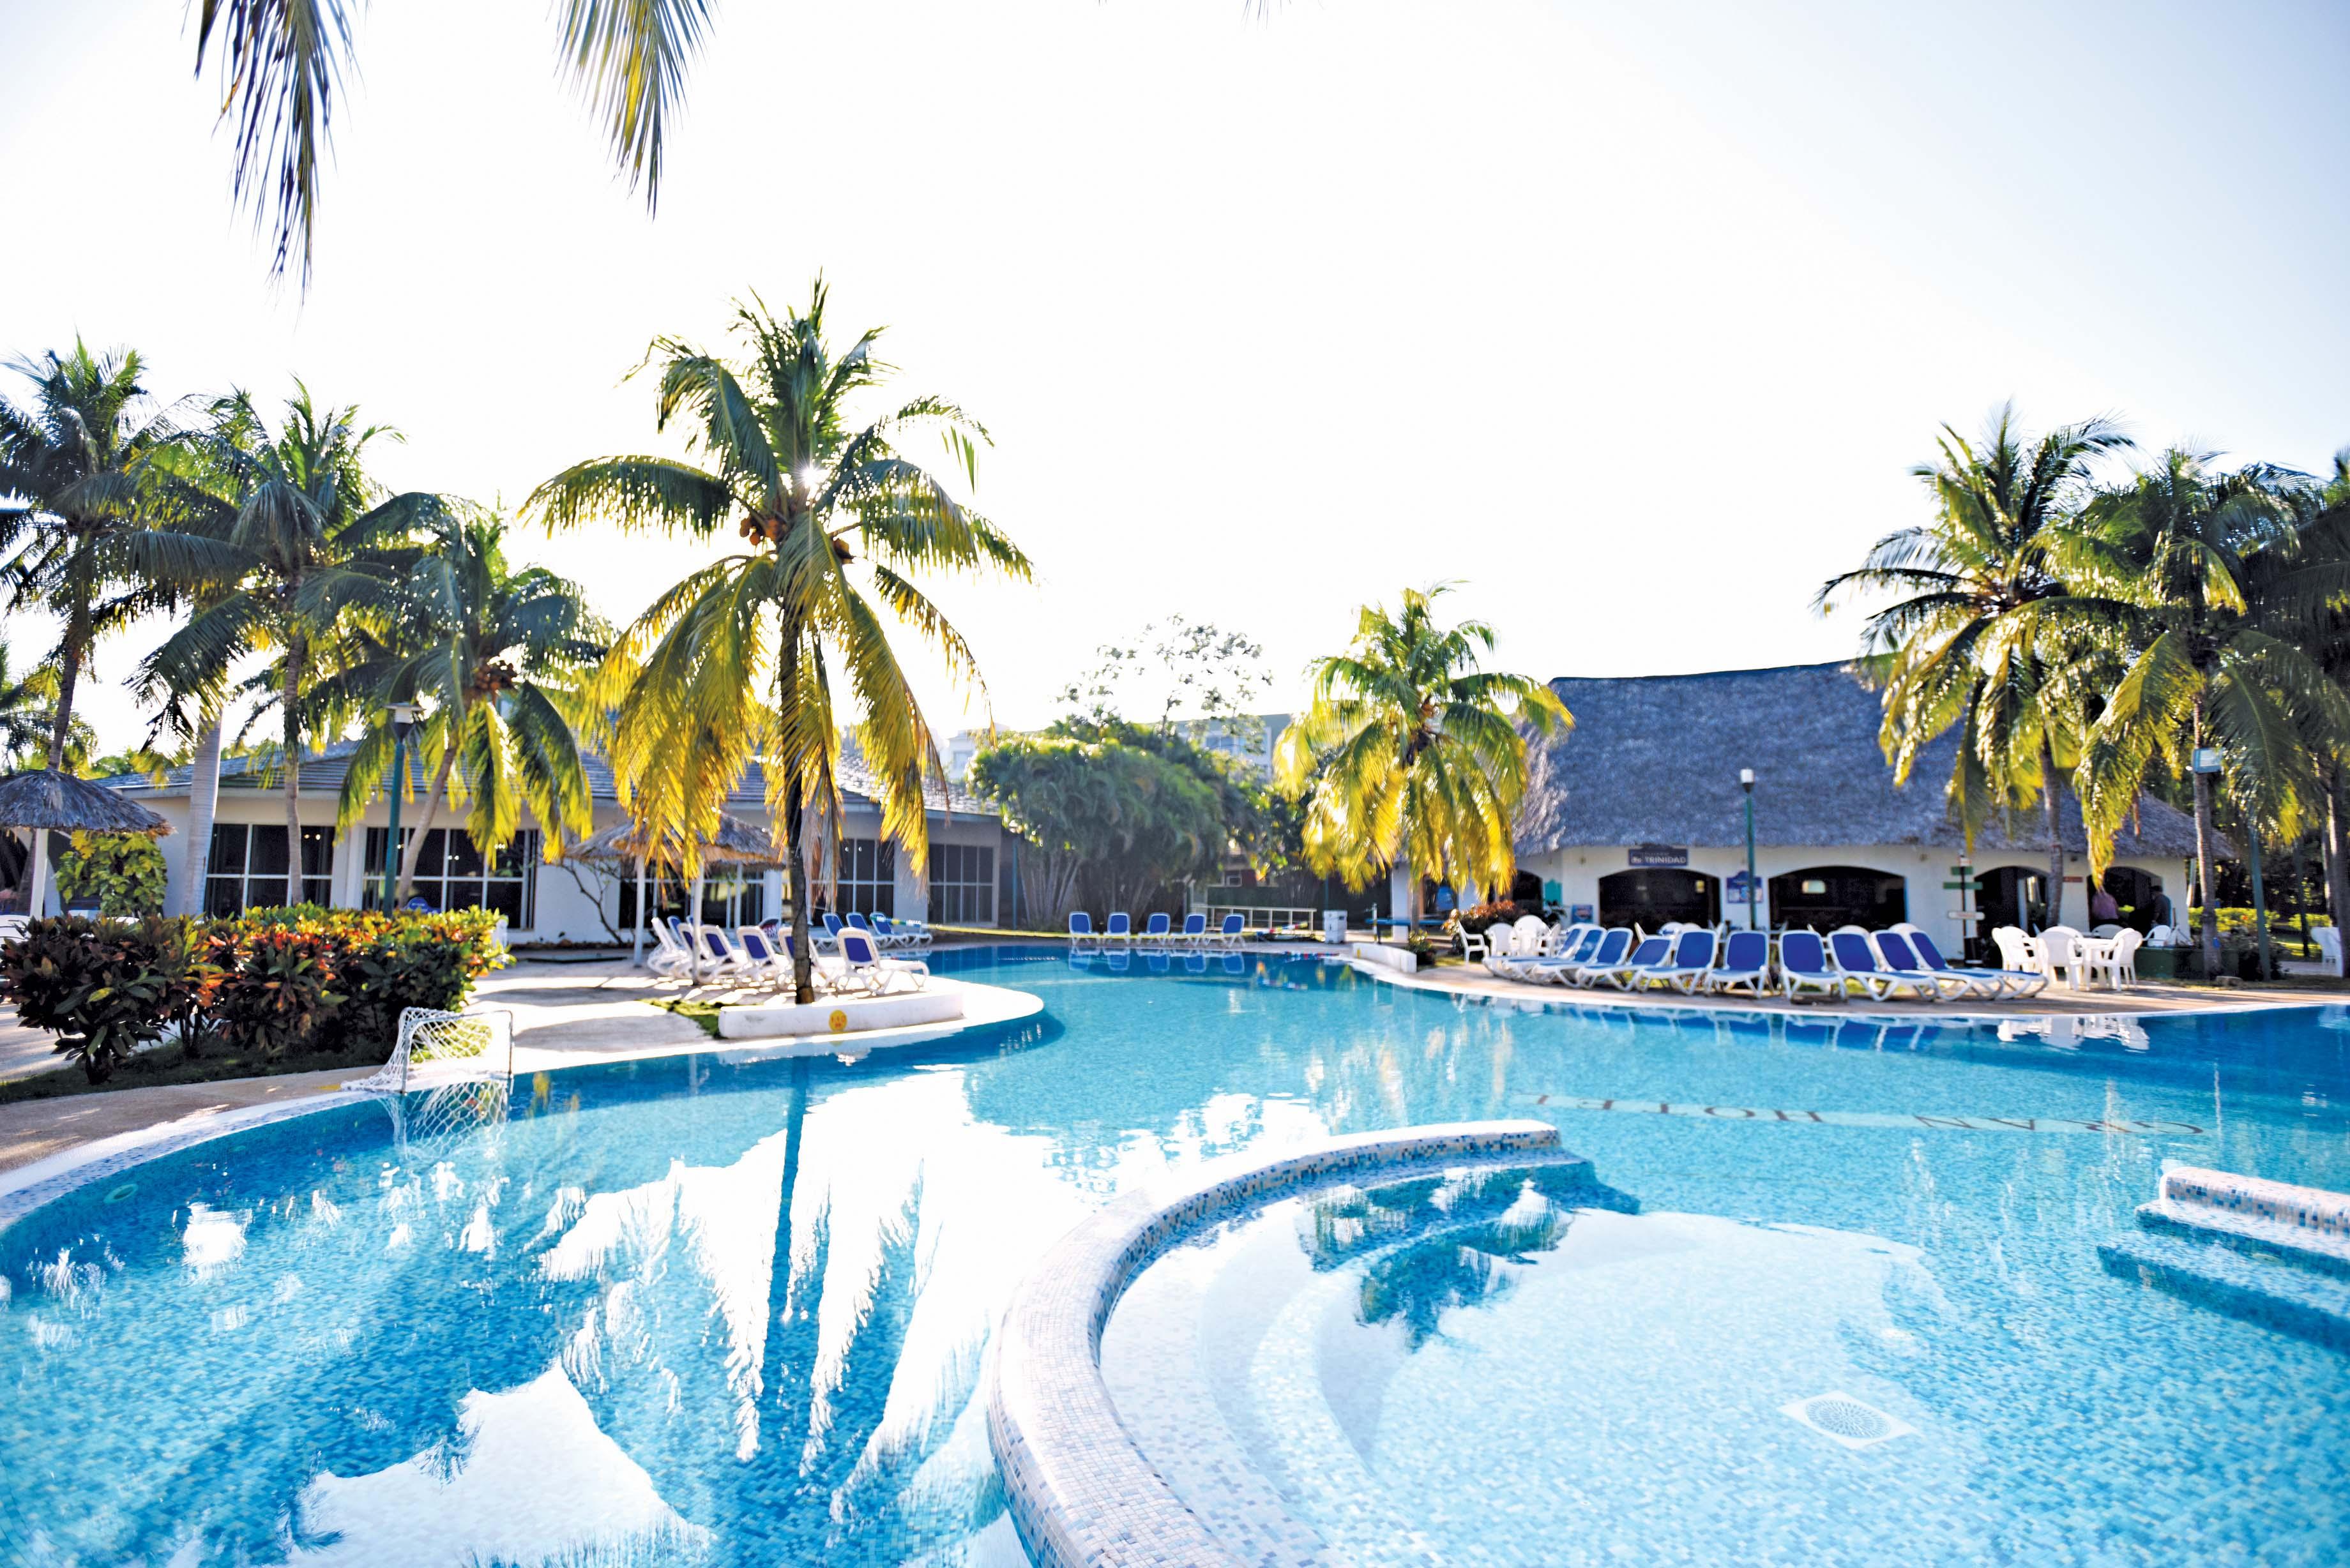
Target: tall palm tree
{"type": "Point", "coordinates": [282, 61]}
{"type": "Point", "coordinates": [1413, 755]}
{"type": "Point", "coordinates": [28, 710]}
{"type": "Point", "coordinates": [1985, 636]}
{"type": "Point", "coordinates": [82, 537]}
{"type": "Point", "coordinates": [2207, 564]}
{"type": "Point", "coordinates": [496, 652]}
{"type": "Point", "coordinates": [309, 529]}
{"type": "Point", "coordinates": [736, 660]}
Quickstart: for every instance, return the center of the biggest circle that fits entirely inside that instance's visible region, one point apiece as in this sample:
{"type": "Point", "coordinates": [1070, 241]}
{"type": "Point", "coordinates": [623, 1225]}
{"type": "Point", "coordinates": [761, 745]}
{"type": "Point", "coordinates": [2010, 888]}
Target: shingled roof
{"type": "Point", "coordinates": [322, 774]}
{"type": "Point", "coordinates": [1655, 760]}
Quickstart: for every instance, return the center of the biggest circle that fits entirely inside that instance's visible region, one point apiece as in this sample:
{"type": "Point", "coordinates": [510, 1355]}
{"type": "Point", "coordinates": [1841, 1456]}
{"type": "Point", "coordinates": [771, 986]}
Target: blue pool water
{"type": "Point", "coordinates": [705, 1310]}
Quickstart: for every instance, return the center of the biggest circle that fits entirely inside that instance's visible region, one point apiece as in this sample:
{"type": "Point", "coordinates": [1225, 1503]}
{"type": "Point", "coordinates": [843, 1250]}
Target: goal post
{"type": "Point", "coordinates": [434, 1048]}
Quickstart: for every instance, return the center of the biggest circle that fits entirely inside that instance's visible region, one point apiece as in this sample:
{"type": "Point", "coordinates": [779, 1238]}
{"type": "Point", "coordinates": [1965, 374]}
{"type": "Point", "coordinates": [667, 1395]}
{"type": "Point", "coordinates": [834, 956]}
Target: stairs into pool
{"type": "Point", "coordinates": [2273, 1254]}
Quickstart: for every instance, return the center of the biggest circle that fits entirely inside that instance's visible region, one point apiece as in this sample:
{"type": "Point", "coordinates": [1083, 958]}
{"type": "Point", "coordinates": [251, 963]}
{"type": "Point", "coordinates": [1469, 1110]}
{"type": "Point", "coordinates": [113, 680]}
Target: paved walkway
{"type": "Point", "coordinates": [569, 1014]}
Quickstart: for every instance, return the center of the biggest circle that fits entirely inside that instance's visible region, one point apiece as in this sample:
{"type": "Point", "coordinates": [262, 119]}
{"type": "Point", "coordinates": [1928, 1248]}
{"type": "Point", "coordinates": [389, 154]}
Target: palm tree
{"type": "Point", "coordinates": [2209, 567]}
{"type": "Point", "coordinates": [1986, 636]}
{"type": "Point", "coordinates": [80, 538]}
{"type": "Point", "coordinates": [496, 651]}
{"type": "Point", "coordinates": [1411, 754]}
{"type": "Point", "coordinates": [736, 660]}
{"type": "Point", "coordinates": [28, 708]}
{"type": "Point", "coordinates": [308, 531]}
{"type": "Point", "coordinates": [282, 61]}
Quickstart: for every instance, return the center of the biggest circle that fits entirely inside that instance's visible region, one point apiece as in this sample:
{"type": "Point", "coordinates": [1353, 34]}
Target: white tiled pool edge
{"type": "Point", "coordinates": [1080, 1492]}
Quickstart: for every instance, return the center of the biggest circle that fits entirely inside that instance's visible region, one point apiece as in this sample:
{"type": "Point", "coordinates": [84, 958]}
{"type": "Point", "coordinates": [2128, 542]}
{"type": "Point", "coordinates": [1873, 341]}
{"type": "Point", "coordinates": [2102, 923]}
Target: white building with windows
{"type": "Point", "coordinates": [1638, 815]}
{"type": "Point", "coordinates": [964, 882]}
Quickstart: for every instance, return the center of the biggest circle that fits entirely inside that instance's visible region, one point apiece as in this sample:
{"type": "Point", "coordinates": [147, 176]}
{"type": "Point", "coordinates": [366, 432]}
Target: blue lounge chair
{"type": "Point", "coordinates": [1613, 945]}
{"type": "Point", "coordinates": [864, 968]}
{"type": "Point", "coordinates": [900, 933]}
{"type": "Point", "coordinates": [1234, 929]}
{"type": "Point", "coordinates": [1856, 959]}
{"type": "Point", "coordinates": [1745, 964]}
{"type": "Point", "coordinates": [1081, 932]}
{"type": "Point", "coordinates": [1994, 983]}
{"type": "Point", "coordinates": [1195, 928]}
{"type": "Point", "coordinates": [1581, 945]}
{"type": "Point", "coordinates": [1118, 929]}
{"type": "Point", "coordinates": [1685, 971]}
{"type": "Point", "coordinates": [1804, 967]}
{"type": "Point", "coordinates": [765, 956]}
{"type": "Point", "coordinates": [832, 930]}
{"type": "Point", "coordinates": [714, 955]}
{"type": "Point", "coordinates": [1900, 957]}
{"type": "Point", "coordinates": [1651, 953]}
{"type": "Point", "coordinates": [1158, 931]}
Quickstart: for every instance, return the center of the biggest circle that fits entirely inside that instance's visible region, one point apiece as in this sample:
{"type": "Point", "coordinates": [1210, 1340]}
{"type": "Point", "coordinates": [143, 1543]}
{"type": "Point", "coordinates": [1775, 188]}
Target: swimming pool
{"type": "Point", "coordinates": [558, 1334]}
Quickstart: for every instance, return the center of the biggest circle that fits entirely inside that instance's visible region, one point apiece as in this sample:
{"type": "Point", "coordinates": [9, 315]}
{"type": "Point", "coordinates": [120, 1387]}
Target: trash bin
{"type": "Point", "coordinates": [1333, 926]}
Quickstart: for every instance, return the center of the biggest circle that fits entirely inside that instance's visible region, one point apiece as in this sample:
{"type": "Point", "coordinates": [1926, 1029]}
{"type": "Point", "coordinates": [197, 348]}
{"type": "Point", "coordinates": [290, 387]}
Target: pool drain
{"type": "Point", "coordinates": [1841, 1419]}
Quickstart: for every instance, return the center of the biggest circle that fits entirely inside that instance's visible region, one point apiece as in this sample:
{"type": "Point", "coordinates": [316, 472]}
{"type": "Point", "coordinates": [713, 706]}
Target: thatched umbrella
{"type": "Point", "coordinates": [44, 801]}
{"type": "Point", "coordinates": [736, 843]}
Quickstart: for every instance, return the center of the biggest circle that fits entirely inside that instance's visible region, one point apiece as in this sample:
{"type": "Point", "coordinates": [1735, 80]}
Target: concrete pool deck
{"type": "Point", "coordinates": [569, 1014]}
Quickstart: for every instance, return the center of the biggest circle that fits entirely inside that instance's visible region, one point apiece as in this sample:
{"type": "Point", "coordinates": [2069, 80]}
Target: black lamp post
{"type": "Point", "coordinates": [403, 719]}
{"type": "Point", "coordinates": [1746, 783]}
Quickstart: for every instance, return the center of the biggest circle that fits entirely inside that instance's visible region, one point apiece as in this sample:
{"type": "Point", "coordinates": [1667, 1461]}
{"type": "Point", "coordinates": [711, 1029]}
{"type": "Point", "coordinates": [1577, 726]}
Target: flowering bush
{"type": "Point", "coordinates": [1502, 912]}
{"type": "Point", "coordinates": [107, 987]}
{"type": "Point", "coordinates": [303, 979]}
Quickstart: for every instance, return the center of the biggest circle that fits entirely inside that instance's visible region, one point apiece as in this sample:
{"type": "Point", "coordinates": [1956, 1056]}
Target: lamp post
{"type": "Point", "coordinates": [1746, 783]}
{"type": "Point", "coordinates": [403, 719]}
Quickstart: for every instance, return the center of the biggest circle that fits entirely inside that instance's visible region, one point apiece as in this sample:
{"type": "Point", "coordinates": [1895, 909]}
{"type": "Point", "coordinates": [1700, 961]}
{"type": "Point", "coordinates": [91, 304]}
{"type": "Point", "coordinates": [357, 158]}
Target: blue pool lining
{"type": "Point", "coordinates": [1079, 1492]}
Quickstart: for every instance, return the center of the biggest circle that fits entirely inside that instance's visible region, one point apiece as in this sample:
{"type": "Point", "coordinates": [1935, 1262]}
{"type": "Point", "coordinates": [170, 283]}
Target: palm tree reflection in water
{"type": "Point", "coordinates": [1432, 1244]}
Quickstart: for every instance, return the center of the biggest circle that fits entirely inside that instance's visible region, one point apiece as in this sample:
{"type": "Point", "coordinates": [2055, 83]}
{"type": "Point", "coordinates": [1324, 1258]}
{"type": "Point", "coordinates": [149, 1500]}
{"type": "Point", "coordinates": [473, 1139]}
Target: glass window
{"type": "Point", "coordinates": [247, 868]}
{"type": "Point", "coordinates": [452, 874]}
{"type": "Point", "coordinates": [963, 884]}
{"type": "Point", "coordinates": [869, 876]}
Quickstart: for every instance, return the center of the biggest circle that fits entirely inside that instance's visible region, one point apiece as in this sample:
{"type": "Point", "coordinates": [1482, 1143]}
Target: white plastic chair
{"type": "Point", "coordinates": [2119, 968]}
{"type": "Point", "coordinates": [2329, 945]}
{"type": "Point", "coordinates": [2060, 950]}
{"type": "Point", "coordinates": [1530, 937]}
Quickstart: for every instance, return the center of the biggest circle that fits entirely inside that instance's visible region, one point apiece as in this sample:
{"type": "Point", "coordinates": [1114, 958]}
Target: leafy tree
{"type": "Point", "coordinates": [2209, 567]}
{"type": "Point", "coordinates": [1984, 629]}
{"type": "Point", "coordinates": [496, 652]}
{"type": "Point", "coordinates": [81, 540]}
{"type": "Point", "coordinates": [28, 717]}
{"type": "Point", "coordinates": [281, 62]}
{"type": "Point", "coordinates": [308, 533]}
{"type": "Point", "coordinates": [736, 660]}
{"type": "Point", "coordinates": [1103, 810]}
{"type": "Point", "coordinates": [1411, 754]}
{"type": "Point", "coordinates": [1216, 677]}
{"type": "Point", "coordinates": [123, 871]}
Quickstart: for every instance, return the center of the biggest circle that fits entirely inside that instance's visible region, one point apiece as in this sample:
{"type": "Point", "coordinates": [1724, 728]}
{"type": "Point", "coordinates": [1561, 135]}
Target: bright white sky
{"type": "Point", "coordinates": [1631, 318]}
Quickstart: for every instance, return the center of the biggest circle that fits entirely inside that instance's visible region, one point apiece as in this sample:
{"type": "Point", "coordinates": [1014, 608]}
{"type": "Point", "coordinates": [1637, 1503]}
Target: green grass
{"type": "Point", "coordinates": [168, 1064]}
{"type": "Point", "coordinates": [702, 1013]}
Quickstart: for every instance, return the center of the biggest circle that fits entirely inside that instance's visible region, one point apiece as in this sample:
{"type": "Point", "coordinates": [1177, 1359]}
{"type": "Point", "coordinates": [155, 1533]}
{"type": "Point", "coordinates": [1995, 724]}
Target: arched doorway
{"type": "Point", "coordinates": [2012, 896]}
{"type": "Point", "coordinates": [1526, 891]}
{"type": "Point", "coordinates": [2136, 891]}
{"type": "Point", "coordinates": [1827, 897]}
{"type": "Point", "coordinates": [1648, 898]}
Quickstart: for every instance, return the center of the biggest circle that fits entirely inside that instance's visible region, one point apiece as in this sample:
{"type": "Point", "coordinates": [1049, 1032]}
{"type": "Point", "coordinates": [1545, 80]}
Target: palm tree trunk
{"type": "Point", "coordinates": [291, 698]}
{"type": "Point", "coordinates": [2052, 797]}
{"type": "Point", "coordinates": [2260, 892]}
{"type": "Point", "coordinates": [415, 847]}
{"type": "Point", "coordinates": [2203, 876]}
{"type": "Point", "coordinates": [2338, 875]}
{"type": "Point", "coordinates": [203, 798]}
{"type": "Point", "coordinates": [69, 677]}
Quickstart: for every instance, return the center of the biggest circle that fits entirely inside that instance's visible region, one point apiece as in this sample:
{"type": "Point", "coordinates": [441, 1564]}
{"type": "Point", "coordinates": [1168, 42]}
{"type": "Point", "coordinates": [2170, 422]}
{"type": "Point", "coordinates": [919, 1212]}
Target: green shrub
{"type": "Point", "coordinates": [106, 987]}
{"type": "Point", "coordinates": [277, 990]}
{"type": "Point", "coordinates": [1502, 912]}
{"type": "Point", "coordinates": [123, 871]}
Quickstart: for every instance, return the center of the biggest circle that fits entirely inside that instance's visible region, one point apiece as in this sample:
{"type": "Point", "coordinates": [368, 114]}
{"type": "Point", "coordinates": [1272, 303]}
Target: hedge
{"type": "Point", "coordinates": [302, 979]}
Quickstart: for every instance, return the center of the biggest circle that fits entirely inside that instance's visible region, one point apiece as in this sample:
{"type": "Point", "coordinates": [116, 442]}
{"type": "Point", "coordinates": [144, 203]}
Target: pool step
{"type": "Point", "coordinates": [2306, 1226]}
{"type": "Point", "coordinates": [2264, 1288]}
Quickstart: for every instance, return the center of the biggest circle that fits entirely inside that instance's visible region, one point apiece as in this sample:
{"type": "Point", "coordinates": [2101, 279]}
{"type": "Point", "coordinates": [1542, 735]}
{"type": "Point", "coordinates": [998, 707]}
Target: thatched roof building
{"type": "Point", "coordinates": [44, 798]}
{"type": "Point", "coordinates": [1655, 760]}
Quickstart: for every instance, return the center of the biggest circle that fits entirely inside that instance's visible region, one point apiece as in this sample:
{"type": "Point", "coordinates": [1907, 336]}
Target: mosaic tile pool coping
{"type": "Point", "coordinates": [1081, 1493]}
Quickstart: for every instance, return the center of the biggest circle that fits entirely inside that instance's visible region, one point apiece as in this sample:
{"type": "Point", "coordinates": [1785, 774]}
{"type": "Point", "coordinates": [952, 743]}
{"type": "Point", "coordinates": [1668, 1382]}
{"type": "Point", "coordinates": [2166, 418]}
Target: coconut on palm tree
{"type": "Point", "coordinates": [495, 654]}
{"type": "Point", "coordinates": [308, 531]}
{"type": "Point", "coordinates": [743, 657]}
{"type": "Point", "coordinates": [2208, 566]}
{"type": "Point", "coordinates": [84, 537]}
{"type": "Point", "coordinates": [1984, 635]}
{"type": "Point", "coordinates": [1410, 755]}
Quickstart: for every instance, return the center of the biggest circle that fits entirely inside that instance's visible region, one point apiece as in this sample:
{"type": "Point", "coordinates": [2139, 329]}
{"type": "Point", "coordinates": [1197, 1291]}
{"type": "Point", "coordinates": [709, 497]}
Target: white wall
{"type": "Point", "coordinates": [1923, 872]}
